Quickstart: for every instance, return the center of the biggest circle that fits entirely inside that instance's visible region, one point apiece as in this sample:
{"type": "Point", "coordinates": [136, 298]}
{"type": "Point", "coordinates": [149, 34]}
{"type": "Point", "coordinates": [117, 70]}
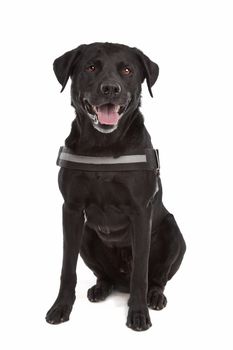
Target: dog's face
{"type": "Point", "coordinates": [106, 81]}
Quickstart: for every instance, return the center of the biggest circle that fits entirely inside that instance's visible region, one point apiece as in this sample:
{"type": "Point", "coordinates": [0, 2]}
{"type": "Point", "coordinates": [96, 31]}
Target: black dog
{"type": "Point", "coordinates": [113, 213]}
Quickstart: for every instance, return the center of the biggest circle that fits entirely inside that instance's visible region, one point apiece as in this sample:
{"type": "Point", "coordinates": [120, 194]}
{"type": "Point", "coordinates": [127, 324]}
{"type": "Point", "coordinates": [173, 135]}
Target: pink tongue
{"type": "Point", "coordinates": [108, 115]}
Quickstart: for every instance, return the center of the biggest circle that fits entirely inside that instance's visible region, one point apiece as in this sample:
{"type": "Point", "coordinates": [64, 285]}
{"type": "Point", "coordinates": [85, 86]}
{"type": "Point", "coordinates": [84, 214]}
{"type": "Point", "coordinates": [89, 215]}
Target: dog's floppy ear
{"type": "Point", "coordinates": [150, 70]}
{"type": "Point", "coordinates": [63, 66]}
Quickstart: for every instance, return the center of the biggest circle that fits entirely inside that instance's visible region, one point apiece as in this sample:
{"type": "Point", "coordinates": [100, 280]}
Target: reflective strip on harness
{"type": "Point", "coordinates": [147, 161]}
{"type": "Point", "coordinates": [103, 160]}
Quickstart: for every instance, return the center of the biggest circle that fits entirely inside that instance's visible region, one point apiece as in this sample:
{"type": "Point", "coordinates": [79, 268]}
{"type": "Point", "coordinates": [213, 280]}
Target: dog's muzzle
{"type": "Point", "coordinates": [105, 117]}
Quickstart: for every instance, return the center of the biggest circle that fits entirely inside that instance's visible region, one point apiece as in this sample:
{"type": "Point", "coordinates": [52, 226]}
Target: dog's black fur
{"type": "Point", "coordinates": [115, 220]}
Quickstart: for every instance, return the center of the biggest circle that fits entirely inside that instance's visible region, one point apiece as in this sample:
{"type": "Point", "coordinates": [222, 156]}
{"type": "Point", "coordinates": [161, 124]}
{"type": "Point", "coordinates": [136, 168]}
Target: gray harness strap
{"type": "Point", "coordinates": [149, 160]}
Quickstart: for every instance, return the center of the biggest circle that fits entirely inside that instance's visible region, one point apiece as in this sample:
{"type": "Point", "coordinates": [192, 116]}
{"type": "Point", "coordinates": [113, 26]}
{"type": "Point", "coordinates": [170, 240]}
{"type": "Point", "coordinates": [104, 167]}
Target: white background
{"type": "Point", "coordinates": [190, 122]}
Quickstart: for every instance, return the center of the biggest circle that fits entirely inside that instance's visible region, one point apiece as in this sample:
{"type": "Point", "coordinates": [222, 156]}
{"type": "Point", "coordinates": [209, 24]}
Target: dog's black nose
{"type": "Point", "coordinates": [110, 88]}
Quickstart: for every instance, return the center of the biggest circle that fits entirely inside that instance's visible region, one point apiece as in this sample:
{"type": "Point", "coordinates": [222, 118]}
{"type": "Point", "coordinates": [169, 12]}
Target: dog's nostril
{"type": "Point", "coordinates": [110, 88]}
{"type": "Point", "coordinates": [105, 89]}
{"type": "Point", "coordinates": [117, 89]}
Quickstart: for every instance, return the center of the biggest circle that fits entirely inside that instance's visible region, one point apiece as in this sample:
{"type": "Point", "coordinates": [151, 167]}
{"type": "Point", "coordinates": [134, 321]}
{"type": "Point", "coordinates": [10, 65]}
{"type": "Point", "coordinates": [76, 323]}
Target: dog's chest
{"type": "Point", "coordinates": [109, 199]}
{"type": "Point", "coordinates": [107, 195]}
{"type": "Point", "coordinates": [106, 206]}
{"type": "Point", "coordinates": [108, 192]}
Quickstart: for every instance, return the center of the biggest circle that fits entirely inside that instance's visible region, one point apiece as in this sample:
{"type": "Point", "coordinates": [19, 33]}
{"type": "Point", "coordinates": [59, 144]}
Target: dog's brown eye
{"type": "Point", "coordinates": [91, 68]}
{"type": "Point", "coordinates": [126, 71]}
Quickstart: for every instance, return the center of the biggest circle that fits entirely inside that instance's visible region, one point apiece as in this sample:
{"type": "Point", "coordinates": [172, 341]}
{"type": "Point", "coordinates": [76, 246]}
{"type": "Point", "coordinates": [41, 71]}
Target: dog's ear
{"type": "Point", "coordinates": [64, 65]}
{"type": "Point", "coordinates": [150, 70]}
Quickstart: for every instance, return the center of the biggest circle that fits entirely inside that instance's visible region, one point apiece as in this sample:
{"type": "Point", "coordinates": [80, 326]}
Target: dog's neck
{"type": "Point", "coordinates": [129, 137]}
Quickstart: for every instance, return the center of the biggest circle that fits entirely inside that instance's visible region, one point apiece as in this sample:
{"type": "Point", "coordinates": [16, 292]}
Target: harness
{"type": "Point", "coordinates": [148, 160]}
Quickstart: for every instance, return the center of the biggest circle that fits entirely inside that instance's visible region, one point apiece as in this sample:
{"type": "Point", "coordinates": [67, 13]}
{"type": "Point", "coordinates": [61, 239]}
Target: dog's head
{"type": "Point", "coordinates": [106, 81]}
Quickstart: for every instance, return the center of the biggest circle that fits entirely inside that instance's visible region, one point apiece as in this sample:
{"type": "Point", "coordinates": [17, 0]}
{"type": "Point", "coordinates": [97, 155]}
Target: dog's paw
{"type": "Point", "coordinates": [156, 300]}
{"type": "Point", "coordinates": [99, 291]}
{"type": "Point", "coordinates": [138, 319]}
{"type": "Point", "coordinates": [59, 312]}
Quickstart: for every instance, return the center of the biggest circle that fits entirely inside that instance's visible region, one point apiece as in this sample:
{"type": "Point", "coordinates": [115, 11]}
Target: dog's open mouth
{"type": "Point", "coordinates": [105, 117]}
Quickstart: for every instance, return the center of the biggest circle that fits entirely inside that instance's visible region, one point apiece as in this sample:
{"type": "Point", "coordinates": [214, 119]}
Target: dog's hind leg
{"type": "Point", "coordinates": [166, 254]}
{"type": "Point", "coordinates": [100, 291]}
{"type": "Point", "coordinates": [100, 259]}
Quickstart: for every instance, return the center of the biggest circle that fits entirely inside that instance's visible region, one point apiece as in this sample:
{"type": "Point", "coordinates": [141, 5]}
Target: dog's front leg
{"type": "Point", "coordinates": [73, 222]}
{"type": "Point", "coordinates": [138, 315]}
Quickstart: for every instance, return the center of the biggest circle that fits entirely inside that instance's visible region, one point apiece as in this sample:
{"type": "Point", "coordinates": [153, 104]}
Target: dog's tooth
{"type": "Point", "coordinates": [96, 120]}
{"type": "Point", "coordinates": [117, 108]}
